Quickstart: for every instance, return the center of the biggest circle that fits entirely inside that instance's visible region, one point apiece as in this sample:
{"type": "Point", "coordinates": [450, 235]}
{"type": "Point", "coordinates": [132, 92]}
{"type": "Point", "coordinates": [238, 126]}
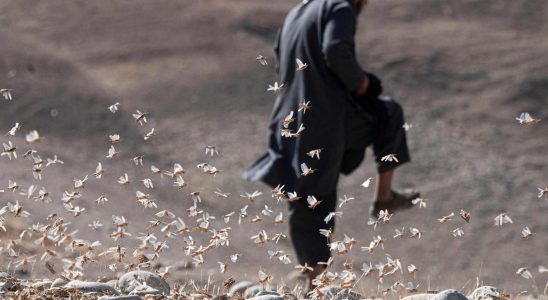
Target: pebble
{"type": "Point", "coordinates": [258, 290]}
{"type": "Point", "coordinates": [449, 295]}
{"type": "Point", "coordinates": [485, 292]}
{"type": "Point", "coordinates": [419, 297]}
{"type": "Point", "coordinates": [443, 295]}
{"type": "Point", "coordinates": [263, 293]}
{"type": "Point", "coordinates": [289, 296]}
{"type": "Point", "coordinates": [129, 281]}
{"type": "Point", "coordinates": [253, 290]}
{"type": "Point", "coordinates": [145, 290]}
{"type": "Point", "coordinates": [239, 287]}
{"type": "Point", "coordinates": [91, 287]}
{"type": "Point", "coordinates": [59, 282]}
{"type": "Point", "coordinates": [6, 285]}
{"type": "Point", "coordinates": [267, 297]}
{"type": "Point", "coordinates": [113, 283]}
{"type": "Point", "coordinates": [42, 284]}
{"type": "Point", "coordinates": [128, 297]}
{"type": "Point", "coordinates": [5, 276]}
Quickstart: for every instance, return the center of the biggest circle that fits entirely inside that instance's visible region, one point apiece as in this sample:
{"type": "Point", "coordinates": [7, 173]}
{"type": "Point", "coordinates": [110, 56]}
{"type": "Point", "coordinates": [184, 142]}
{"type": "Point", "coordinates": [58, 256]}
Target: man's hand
{"type": "Point", "coordinates": [362, 89]}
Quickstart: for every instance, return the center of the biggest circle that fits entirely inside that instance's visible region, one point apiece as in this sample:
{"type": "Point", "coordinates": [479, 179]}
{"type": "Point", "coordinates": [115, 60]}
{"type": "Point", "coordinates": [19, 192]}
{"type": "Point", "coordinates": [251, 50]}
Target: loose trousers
{"type": "Point", "coordinates": [368, 122]}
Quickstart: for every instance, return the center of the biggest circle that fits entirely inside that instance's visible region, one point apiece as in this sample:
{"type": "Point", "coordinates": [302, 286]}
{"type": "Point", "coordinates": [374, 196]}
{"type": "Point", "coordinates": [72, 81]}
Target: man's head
{"type": "Point", "coordinates": [360, 4]}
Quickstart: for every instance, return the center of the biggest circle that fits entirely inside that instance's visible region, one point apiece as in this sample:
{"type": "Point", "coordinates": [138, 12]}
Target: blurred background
{"type": "Point", "coordinates": [463, 70]}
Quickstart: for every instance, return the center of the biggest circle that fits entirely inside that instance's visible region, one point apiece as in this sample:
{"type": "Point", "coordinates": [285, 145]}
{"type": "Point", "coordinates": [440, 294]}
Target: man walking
{"type": "Point", "coordinates": [328, 111]}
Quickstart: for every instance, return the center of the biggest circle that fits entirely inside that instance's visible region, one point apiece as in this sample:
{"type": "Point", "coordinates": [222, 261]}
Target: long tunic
{"type": "Point", "coordinates": [321, 34]}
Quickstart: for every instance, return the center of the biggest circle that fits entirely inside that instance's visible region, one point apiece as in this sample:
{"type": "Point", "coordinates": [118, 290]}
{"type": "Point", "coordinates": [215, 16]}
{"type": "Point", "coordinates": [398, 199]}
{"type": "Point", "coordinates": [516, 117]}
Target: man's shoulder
{"type": "Point", "coordinates": [340, 4]}
{"type": "Point", "coordinates": [328, 4]}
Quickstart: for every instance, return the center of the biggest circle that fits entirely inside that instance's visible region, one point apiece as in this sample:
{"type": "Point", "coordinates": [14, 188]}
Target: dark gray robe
{"type": "Point", "coordinates": [321, 34]}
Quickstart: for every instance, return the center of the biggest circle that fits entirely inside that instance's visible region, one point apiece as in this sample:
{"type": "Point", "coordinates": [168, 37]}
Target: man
{"type": "Point", "coordinates": [338, 105]}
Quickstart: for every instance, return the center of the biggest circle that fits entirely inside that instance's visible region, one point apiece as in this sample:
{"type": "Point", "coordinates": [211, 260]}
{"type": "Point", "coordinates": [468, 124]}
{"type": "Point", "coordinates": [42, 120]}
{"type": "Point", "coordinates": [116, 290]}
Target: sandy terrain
{"type": "Point", "coordinates": [462, 69]}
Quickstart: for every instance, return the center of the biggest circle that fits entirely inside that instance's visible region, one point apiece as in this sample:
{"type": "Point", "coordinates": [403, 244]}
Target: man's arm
{"type": "Point", "coordinates": [338, 49]}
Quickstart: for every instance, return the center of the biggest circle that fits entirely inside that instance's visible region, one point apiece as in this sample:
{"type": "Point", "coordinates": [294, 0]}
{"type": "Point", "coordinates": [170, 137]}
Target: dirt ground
{"type": "Point", "coordinates": [463, 70]}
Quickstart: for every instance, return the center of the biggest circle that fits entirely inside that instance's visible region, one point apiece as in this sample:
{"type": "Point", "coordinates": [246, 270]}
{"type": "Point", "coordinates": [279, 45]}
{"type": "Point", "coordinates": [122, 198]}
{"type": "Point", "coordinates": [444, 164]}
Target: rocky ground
{"type": "Point", "coordinates": [138, 285]}
{"type": "Point", "coordinates": [463, 71]}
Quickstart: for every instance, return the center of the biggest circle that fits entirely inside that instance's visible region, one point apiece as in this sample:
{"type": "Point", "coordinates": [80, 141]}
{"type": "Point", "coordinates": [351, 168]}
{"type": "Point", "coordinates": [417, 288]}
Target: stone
{"type": "Point", "coordinates": [113, 283]}
{"type": "Point", "coordinates": [263, 293]}
{"type": "Point", "coordinates": [419, 297]}
{"type": "Point", "coordinates": [336, 293]}
{"type": "Point", "coordinates": [6, 285]}
{"type": "Point", "coordinates": [42, 284]}
{"type": "Point", "coordinates": [485, 293]}
{"type": "Point", "coordinates": [282, 289]}
{"type": "Point", "coordinates": [127, 297]}
{"type": "Point", "coordinates": [59, 282]}
{"type": "Point", "coordinates": [266, 297]}
{"type": "Point", "coordinates": [257, 290]}
{"type": "Point", "coordinates": [253, 290]}
{"type": "Point", "coordinates": [5, 276]}
{"type": "Point", "coordinates": [239, 287]}
{"type": "Point", "coordinates": [129, 281]}
{"type": "Point", "coordinates": [289, 296]}
{"type": "Point", "coordinates": [90, 287]}
{"type": "Point", "coordinates": [144, 291]}
{"type": "Point", "coordinates": [93, 294]}
{"type": "Point", "coordinates": [449, 295]}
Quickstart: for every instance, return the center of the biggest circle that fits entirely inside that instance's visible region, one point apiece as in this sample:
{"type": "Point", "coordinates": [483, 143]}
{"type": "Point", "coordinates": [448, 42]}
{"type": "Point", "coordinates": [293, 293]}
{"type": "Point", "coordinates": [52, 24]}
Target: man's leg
{"type": "Point", "coordinates": [383, 192]}
{"type": "Point", "coordinates": [391, 139]}
{"type": "Point", "coordinates": [305, 223]}
{"type": "Point", "coordinates": [318, 269]}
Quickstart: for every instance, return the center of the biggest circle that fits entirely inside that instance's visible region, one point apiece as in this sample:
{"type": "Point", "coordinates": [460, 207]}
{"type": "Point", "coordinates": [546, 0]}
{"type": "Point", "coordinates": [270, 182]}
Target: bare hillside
{"type": "Point", "coordinates": [463, 71]}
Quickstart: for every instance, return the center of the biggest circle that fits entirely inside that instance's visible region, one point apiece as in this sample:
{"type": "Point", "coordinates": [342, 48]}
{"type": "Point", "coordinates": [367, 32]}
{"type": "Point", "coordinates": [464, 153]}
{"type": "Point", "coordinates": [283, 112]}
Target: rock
{"type": "Point", "coordinates": [239, 287]}
{"type": "Point", "coordinates": [42, 284]}
{"type": "Point", "coordinates": [259, 290]}
{"type": "Point", "coordinates": [289, 296]}
{"type": "Point", "coordinates": [336, 293]}
{"type": "Point", "coordinates": [449, 295]}
{"type": "Point", "coordinates": [144, 291]}
{"type": "Point", "coordinates": [419, 297]}
{"type": "Point", "coordinates": [6, 285]}
{"type": "Point", "coordinates": [485, 292]}
{"type": "Point", "coordinates": [129, 297]}
{"type": "Point", "coordinates": [263, 293]}
{"type": "Point", "coordinates": [5, 276]}
{"type": "Point", "coordinates": [282, 289]}
{"type": "Point", "coordinates": [90, 287]}
{"type": "Point", "coordinates": [443, 295]}
{"type": "Point", "coordinates": [129, 281]}
{"type": "Point", "coordinates": [253, 290]}
{"type": "Point", "coordinates": [113, 283]}
{"type": "Point", "coordinates": [59, 282]}
{"type": "Point", "coordinates": [266, 297]}
{"type": "Point", "coordinates": [93, 294]}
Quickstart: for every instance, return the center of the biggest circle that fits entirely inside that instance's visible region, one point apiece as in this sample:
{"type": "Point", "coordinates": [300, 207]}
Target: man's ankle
{"type": "Point", "coordinates": [385, 197]}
